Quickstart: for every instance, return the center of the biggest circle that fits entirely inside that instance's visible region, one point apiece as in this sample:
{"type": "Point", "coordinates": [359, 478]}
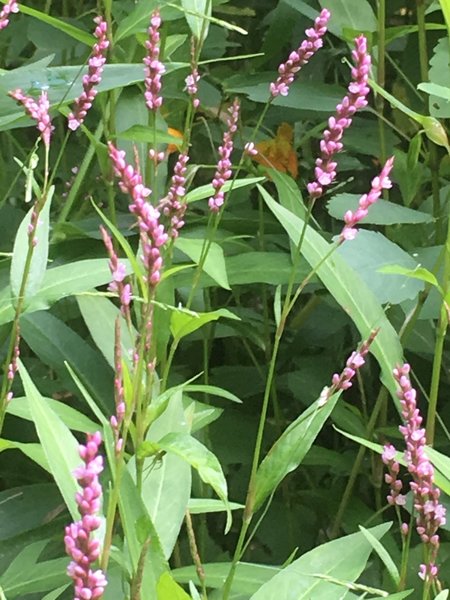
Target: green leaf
{"type": "Point", "coordinates": [33, 451]}
{"type": "Point", "coordinates": [70, 30]}
{"type": "Point", "coordinates": [72, 418]}
{"type": "Point", "coordinates": [382, 212]}
{"type": "Point", "coordinates": [348, 290]}
{"type": "Point", "coordinates": [438, 103]}
{"type": "Point", "coordinates": [100, 315]}
{"type": "Point", "coordinates": [418, 273]}
{"type": "Point", "coordinates": [168, 589]}
{"type": "Point", "coordinates": [144, 133]}
{"type": "Point", "coordinates": [60, 446]}
{"type": "Point", "coordinates": [197, 13]}
{"type": "Point", "coordinates": [383, 554]}
{"type": "Point", "coordinates": [38, 264]}
{"type": "Point", "coordinates": [205, 191]}
{"type": "Point", "coordinates": [368, 254]}
{"type": "Point", "coordinates": [289, 450]}
{"type": "Point", "coordinates": [18, 581]}
{"type": "Point", "coordinates": [61, 282]}
{"type": "Point", "coordinates": [201, 506]}
{"type": "Point", "coordinates": [350, 14]}
{"type": "Point", "coordinates": [135, 520]}
{"type": "Point", "coordinates": [166, 487]}
{"type": "Point", "coordinates": [212, 390]}
{"type": "Point", "coordinates": [247, 580]}
{"type": "Point", "coordinates": [214, 264]}
{"type": "Point", "coordinates": [139, 18]}
{"type": "Point", "coordinates": [443, 595]}
{"type": "Point", "coordinates": [56, 593]}
{"type": "Point", "coordinates": [184, 322]}
{"type": "Point", "coordinates": [343, 559]}
{"type": "Point", "coordinates": [55, 343]}
{"type": "Point", "coordinates": [202, 460]}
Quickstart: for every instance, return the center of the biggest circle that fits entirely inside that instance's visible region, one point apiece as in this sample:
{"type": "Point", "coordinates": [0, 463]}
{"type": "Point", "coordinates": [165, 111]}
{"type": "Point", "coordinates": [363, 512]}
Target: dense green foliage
{"type": "Point", "coordinates": [237, 479]}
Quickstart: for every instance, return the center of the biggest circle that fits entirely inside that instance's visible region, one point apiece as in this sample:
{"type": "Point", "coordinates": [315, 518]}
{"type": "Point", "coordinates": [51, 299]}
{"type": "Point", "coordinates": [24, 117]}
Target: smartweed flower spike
{"type": "Point", "coordinates": [154, 68]}
{"type": "Point", "coordinates": [298, 58]}
{"type": "Point", "coordinates": [84, 551]}
{"type": "Point", "coordinates": [193, 78]}
{"type": "Point", "coordinates": [38, 110]}
{"type": "Point", "coordinates": [172, 205]}
{"type": "Point", "coordinates": [430, 513]}
{"type": "Point", "coordinates": [223, 171]}
{"type": "Point", "coordinates": [93, 77]}
{"type": "Point", "coordinates": [118, 272]}
{"type": "Point", "coordinates": [331, 143]}
{"type": "Point", "coordinates": [354, 362]}
{"type": "Point", "coordinates": [10, 7]}
{"type": "Point", "coordinates": [119, 394]}
{"type": "Point", "coordinates": [379, 183]}
{"type": "Point", "coordinates": [151, 231]}
{"type": "Point", "coordinates": [388, 457]}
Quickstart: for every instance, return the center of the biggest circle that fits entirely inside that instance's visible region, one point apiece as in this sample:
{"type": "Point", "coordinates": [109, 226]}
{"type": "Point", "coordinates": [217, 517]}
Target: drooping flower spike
{"type": "Point", "coordinates": [154, 68]}
{"type": "Point", "coordinates": [37, 110]}
{"type": "Point", "coordinates": [430, 512]}
{"type": "Point", "coordinates": [355, 361]}
{"type": "Point", "coordinates": [298, 58]}
{"type": "Point", "coordinates": [223, 171]}
{"type": "Point", "coordinates": [193, 78]}
{"type": "Point", "coordinates": [325, 171]}
{"type": "Point", "coordinates": [93, 77]}
{"type": "Point", "coordinates": [12, 6]}
{"type": "Point", "coordinates": [80, 545]}
{"type": "Point", "coordinates": [379, 183]}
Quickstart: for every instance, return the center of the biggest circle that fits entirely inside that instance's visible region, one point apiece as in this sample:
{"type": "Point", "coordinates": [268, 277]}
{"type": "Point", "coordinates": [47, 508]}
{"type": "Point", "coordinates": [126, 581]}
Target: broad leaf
{"type": "Point", "coordinates": [343, 559]}
{"type": "Point", "coordinates": [213, 265]}
{"type": "Point", "coordinates": [382, 212]}
{"type": "Point", "coordinates": [168, 589]}
{"type": "Point", "coordinates": [60, 446]}
{"type": "Point", "coordinates": [197, 17]}
{"type": "Point", "coordinates": [356, 15]}
{"type": "Point", "coordinates": [184, 322]}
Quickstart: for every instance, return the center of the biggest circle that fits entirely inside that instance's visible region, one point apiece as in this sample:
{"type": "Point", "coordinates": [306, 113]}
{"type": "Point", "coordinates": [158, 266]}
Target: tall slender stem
{"type": "Point", "coordinates": [381, 76]}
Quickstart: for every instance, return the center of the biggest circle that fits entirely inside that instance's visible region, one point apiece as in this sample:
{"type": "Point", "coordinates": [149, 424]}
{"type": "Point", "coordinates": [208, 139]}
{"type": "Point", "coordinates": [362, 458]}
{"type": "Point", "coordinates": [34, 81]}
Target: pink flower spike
{"type": "Point", "coordinates": [37, 110]}
{"type": "Point", "coordinates": [96, 63]}
{"type": "Point", "coordinates": [379, 183]}
{"type": "Point", "coordinates": [297, 59]}
{"type": "Point", "coordinates": [12, 6]}
{"type": "Point", "coordinates": [430, 513]}
{"type": "Point", "coordinates": [223, 171]}
{"type": "Point", "coordinates": [325, 171]}
{"type": "Point", "coordinates": [154, 68]}
{"type": "Point", "coordinates": [172, 206]}
{"type": "Point", "coordinates": [80, 545]}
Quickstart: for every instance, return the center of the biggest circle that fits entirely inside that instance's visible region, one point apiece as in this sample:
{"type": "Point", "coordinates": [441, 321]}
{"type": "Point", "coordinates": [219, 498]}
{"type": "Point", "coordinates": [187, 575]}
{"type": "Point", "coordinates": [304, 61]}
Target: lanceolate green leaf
{"type": "Point", "coordinates": [197, 13]}
{"type": "Point", "coordinates": [38, 264]}
{"type": "Point", "coordinates": [350, 14]}
{"type": "Point", "coordinates": [214, 263]}
{"type": "Point", "coordinates": [74, 32]}
{"type": "Point", "coordinates": [184, 322]}
{"type": "Point", "coordinates": [168, 589]}
{"type": "Point", "coordinates": [60, 446]}
{"type": "Point", "coordinates": [290, 449]}
{"type": "Point", "coordinates": [347, 289]}
{"type": "Point", "coordinates": [343, 559]}
{"type": "Point", "coordinates": [202, 459]}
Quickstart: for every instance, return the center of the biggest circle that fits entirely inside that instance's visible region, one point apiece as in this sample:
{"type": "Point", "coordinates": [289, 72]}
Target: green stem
{"type": "Point", "coordinates": [381, 75]}
{"type": "Point", "coordinates": [439, 346]}
{"type": "Point", "coordinates": [357, 465]}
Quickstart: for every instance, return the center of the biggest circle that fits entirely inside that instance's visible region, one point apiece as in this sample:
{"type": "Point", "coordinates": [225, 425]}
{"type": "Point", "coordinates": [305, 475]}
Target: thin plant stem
{"type": "Point", "coordinates": [439, 347]}
{"type": "Point", "coordinates": [195, 554]}
{"type": "Point", "coordinates": [381, 76]}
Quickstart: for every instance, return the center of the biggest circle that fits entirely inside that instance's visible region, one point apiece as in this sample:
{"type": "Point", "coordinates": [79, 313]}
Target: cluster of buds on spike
{"type": "Point", "coordinates": [38, 111]}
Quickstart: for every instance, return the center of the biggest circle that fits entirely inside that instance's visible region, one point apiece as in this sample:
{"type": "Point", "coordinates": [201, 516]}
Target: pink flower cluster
{"type": "Point", "coordinates": [298, 58]}
{"type": "Point", "coordinates": [152, 232]}
{"type": "Point", "coordinates": [355, 361]}
{"type": "Point", "coordinates": [391, 478]}
{"type": "Point", "coordinates": [93, 77]}
{"type": "Point", "coordinates": [430, 513]}
{"type": "Point", "coordinates": [118, 272]}
{"type": "Point", "coordinates": [379, 183]}
{"type": "Point", "coordinates": [38, 110]}
{"type": "Point", "coordinates": [172, 205]}
{"type": "Point", "coordinates": [191, 82]}
{"type": "Point", "coordinates": [154, 68]}
{"type": "Point", "coordinates": [80, 546]}
{"type": "Point", "coordinates": [325, 171]}
{"type": "Point", "coordinates": [12, 6]}
{"type": "Point", "coordinates": [223, 171]}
